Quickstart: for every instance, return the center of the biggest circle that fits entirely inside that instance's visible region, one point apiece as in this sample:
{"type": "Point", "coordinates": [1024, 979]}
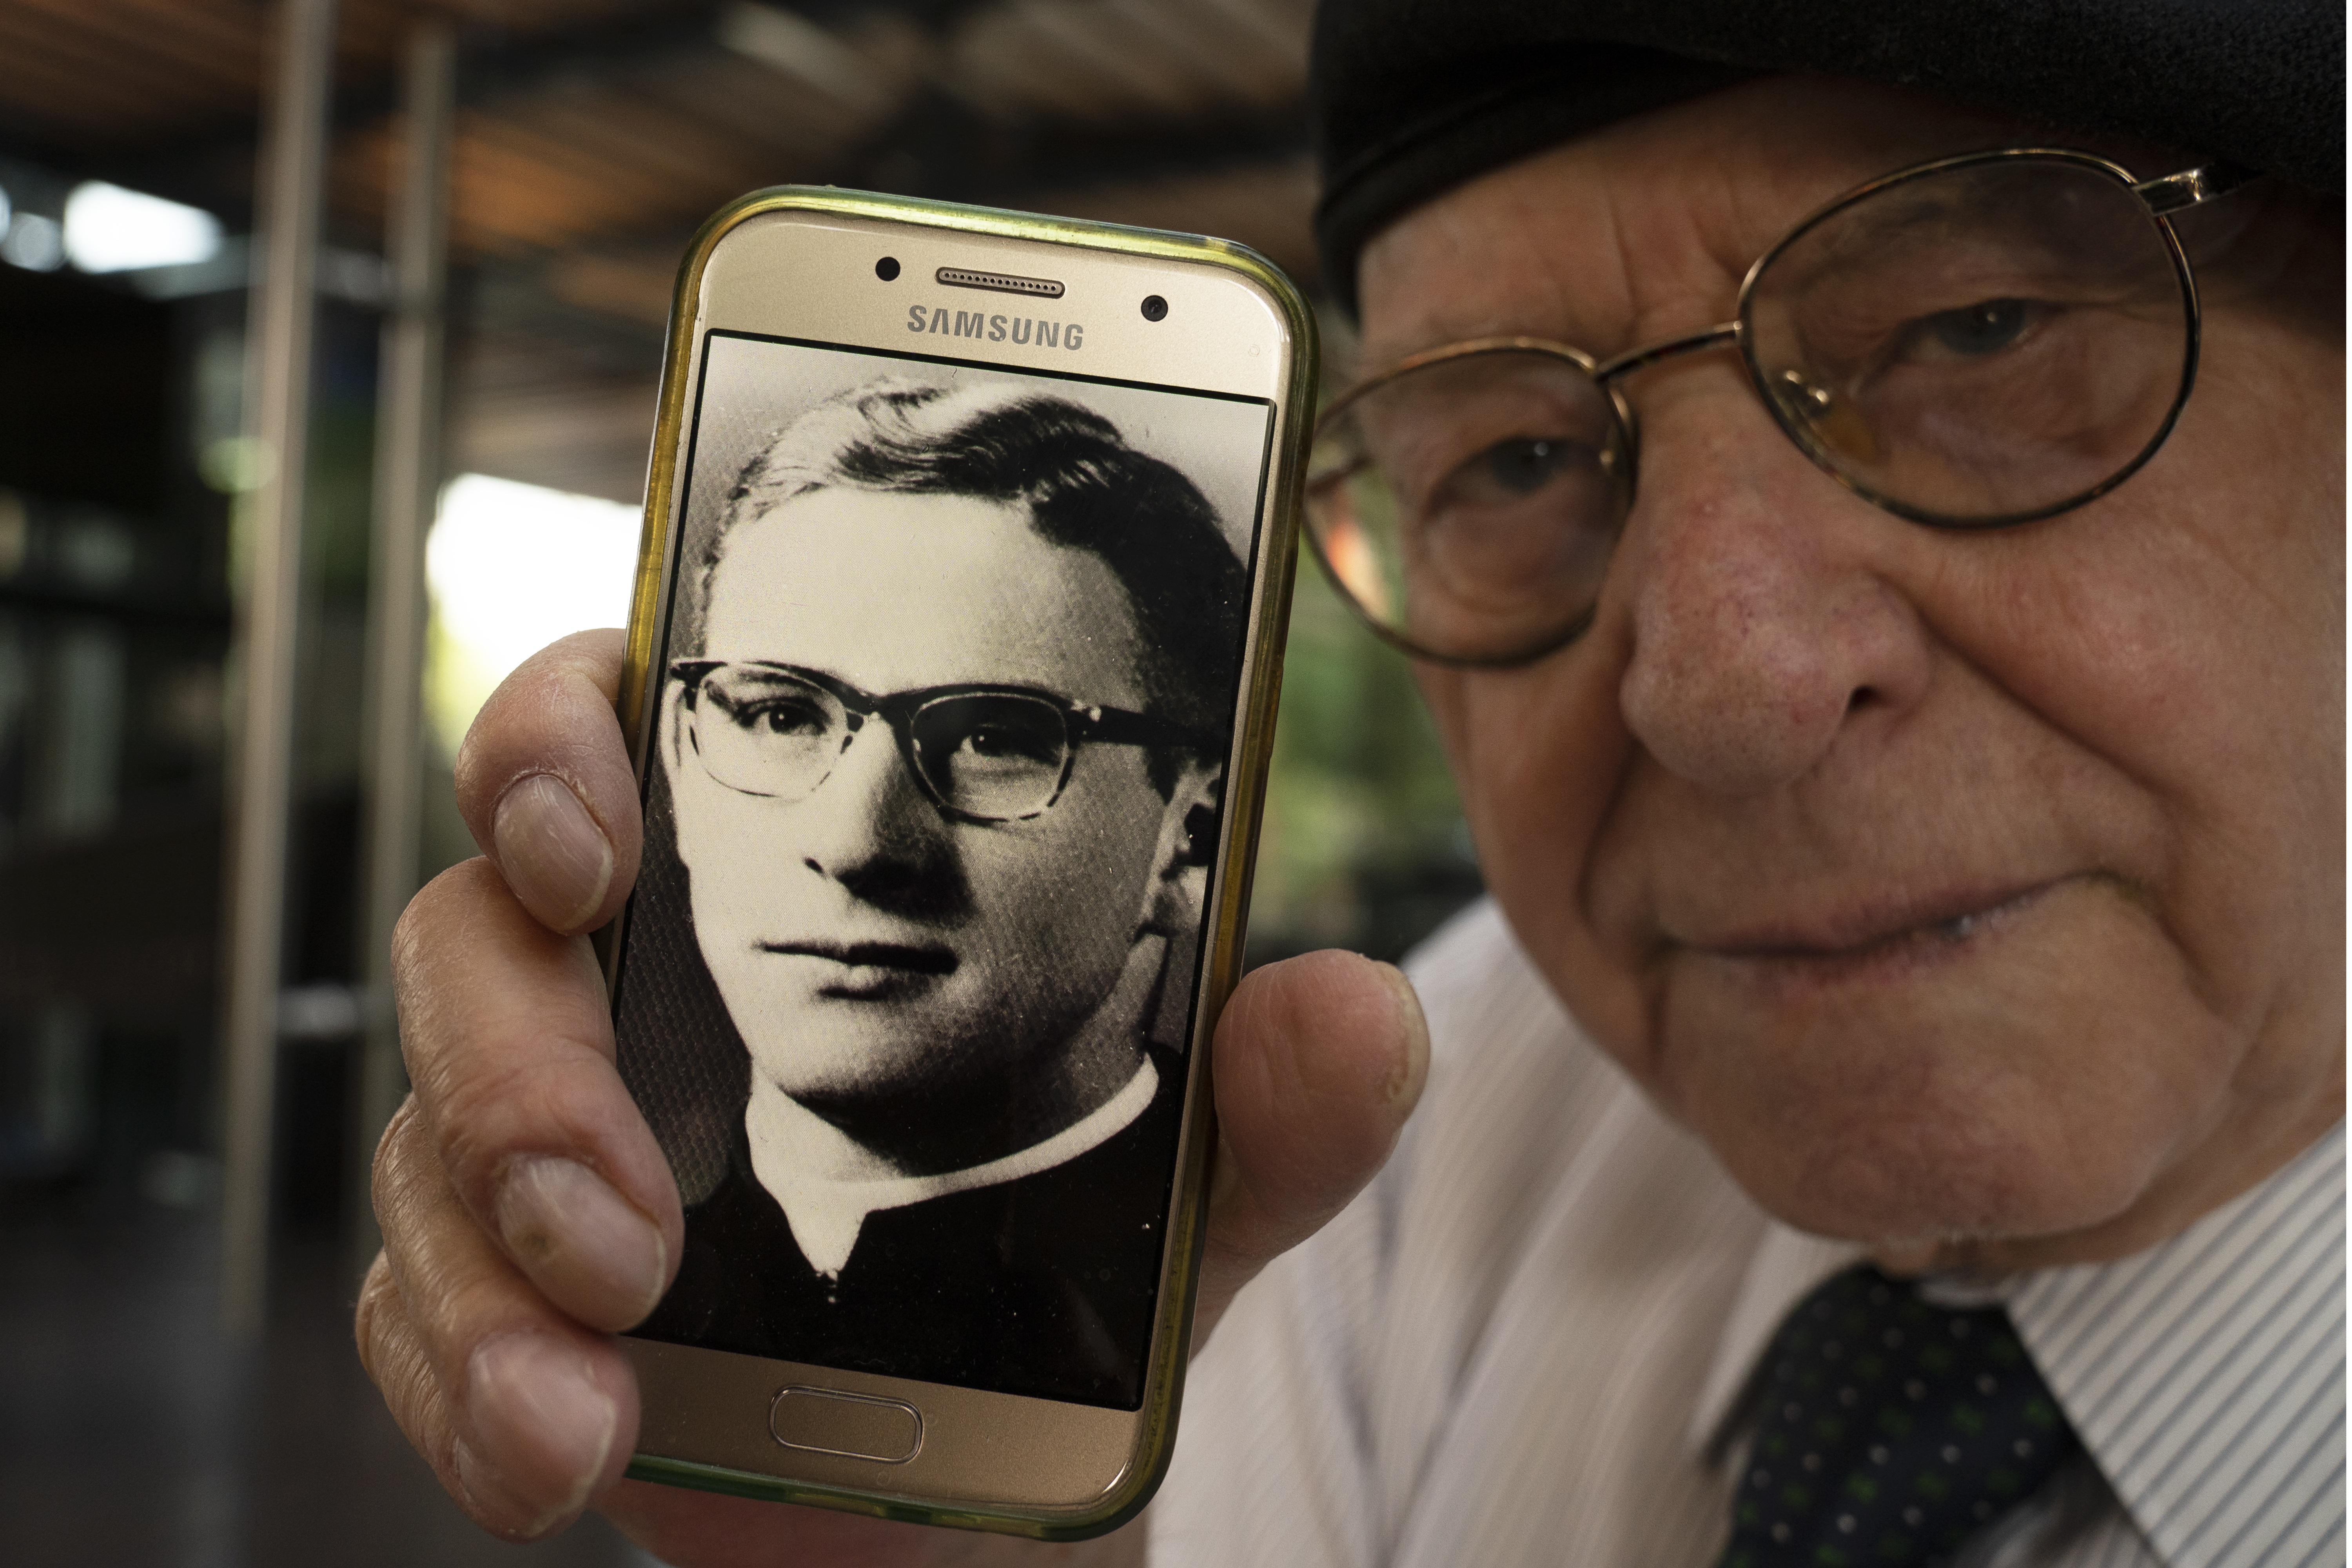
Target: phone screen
{"type": "Point", "coordinates": [934, 777]}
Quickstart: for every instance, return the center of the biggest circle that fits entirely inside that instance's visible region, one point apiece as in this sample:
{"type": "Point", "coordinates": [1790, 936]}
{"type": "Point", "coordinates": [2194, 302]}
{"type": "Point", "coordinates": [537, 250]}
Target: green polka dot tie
{"type": "Point", "coordinates": [1890, 1431]}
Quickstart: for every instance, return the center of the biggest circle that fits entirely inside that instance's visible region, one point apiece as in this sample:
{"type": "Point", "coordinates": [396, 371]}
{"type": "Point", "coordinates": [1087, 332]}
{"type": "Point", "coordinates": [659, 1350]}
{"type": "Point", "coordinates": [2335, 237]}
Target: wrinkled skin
{"type": "Point", "coordinates": [1976, 896]}
{"type": "Point", "coordinates": [1727, 825]}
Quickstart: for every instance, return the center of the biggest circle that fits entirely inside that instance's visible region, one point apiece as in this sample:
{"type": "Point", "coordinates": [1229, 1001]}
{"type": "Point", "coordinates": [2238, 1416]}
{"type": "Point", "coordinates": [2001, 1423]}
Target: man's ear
{"type": "Point", "coordinates": [1188, 842]}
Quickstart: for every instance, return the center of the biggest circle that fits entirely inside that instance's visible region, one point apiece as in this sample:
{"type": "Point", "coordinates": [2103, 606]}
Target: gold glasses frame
{"type": "Point", "coordinates": [2161, 198]}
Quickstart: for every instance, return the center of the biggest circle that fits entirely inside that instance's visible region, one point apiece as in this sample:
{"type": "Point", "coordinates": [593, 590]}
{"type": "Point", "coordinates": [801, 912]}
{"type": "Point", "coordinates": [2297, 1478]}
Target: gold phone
{"type": "Point", "coordinates": [953, 663]}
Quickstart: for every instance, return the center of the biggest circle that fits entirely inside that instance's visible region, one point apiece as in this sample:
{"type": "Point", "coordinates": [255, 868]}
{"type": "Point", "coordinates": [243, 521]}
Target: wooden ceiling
{"type": "Point", "coordinates": [594, 136]}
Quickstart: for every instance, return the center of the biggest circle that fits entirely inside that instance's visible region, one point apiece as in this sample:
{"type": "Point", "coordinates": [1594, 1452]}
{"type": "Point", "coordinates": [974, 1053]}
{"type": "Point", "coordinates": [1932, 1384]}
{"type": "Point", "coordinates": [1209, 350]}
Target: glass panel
{"type": "Point", "coordinates": [993, 757]}
{"type": "Point", "coordinates": [1470, 505]}
{"type": "Point", "coordinates": [1980, 343]}
{"type": "Point", "coordinates": [766, 733]}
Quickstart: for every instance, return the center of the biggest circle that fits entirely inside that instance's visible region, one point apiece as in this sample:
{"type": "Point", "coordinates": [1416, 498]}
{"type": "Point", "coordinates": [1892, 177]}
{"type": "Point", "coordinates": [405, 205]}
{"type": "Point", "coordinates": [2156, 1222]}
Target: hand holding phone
{"type": "Point", "coordinates": [951, 674]}
{"type": "Point", "coordinates": [487, 1322]}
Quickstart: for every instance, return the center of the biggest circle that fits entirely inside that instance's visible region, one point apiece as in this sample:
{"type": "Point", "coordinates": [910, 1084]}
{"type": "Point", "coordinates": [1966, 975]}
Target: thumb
{"type": "Point", "coordinates": [1319, 1059]}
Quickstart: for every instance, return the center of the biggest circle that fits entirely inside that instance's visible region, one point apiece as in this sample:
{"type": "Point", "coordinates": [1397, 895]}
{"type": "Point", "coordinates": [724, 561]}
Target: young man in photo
{"type": "Point", "coordinates": [938, 769]}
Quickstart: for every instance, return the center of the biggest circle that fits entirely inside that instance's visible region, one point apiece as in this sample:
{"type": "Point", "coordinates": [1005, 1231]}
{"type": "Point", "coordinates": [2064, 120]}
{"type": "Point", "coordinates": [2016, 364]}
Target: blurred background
{"type": "Point", "coordinates": [329, 339]}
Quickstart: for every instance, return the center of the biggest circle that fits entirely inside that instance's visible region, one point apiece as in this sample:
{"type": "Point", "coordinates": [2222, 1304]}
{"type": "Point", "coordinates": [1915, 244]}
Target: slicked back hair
{"type": "Point", "coordinates": [1083, 487]}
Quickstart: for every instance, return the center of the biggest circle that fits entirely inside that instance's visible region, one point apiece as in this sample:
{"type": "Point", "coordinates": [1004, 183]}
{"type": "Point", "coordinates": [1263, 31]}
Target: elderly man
{"type": "Point", "coordinates": [1891, 1112]}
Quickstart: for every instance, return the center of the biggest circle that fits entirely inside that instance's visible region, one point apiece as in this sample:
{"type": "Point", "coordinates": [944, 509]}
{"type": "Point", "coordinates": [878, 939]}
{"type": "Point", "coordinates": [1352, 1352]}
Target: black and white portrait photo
{"type": "Point", "coordinates": [933, 784]}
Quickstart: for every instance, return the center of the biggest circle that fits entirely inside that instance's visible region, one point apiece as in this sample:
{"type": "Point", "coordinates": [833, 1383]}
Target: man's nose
{"type": "Point", "coordinates": [1765, 621]}
{"type": "Point", "coordinates": [869, 815]}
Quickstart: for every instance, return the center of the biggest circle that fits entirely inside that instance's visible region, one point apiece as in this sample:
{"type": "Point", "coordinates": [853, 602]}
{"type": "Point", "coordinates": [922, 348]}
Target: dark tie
{"type": "Point", "coordinates": [1890, 1431]}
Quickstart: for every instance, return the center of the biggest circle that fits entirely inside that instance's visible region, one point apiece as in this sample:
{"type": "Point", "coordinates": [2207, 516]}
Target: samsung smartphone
{"type": "Point", "coordinates": [952, 666]}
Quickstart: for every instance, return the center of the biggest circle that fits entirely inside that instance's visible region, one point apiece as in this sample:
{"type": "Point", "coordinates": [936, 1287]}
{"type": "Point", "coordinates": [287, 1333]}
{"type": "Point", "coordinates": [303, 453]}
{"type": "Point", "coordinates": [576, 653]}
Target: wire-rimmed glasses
{"type": "Point", "coordinates": [1970, 342]}
{"type": "Point", "coordinates": [980, 753]}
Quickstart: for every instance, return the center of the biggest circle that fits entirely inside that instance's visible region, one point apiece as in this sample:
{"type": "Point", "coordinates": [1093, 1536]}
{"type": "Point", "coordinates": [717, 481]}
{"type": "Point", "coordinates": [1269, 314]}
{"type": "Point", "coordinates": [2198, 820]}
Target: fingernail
{"type": "Point", "coordinates": [533, 1400]}
{"type": "Point", "coordinates": [1413, 1063]}
{"type": "Point", "coordinates": [585, 1245]}
{"type": "Point", "coordinates": [553, 854]}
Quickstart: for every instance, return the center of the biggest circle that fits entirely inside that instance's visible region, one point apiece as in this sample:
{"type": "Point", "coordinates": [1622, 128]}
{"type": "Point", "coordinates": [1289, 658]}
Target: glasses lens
{"type": "Point", "coordinates": [993, 755]}
{"type": "Point", "coordinates": [1469, 506]}
{"type": "Point", "coordinates": [765, 732]}
{"type": "Point", "coordinates": [1978, 344]}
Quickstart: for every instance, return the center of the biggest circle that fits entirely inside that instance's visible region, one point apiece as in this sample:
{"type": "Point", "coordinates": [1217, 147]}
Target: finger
{"type": "Point", "coordinates": [543, 780]}
{"type": "Point", "coordinates": [525, 1417]}
{"type": "Point", "coordinates": [508, 1043]}
{"type": "Point", "coordinates": [1319, 1059]}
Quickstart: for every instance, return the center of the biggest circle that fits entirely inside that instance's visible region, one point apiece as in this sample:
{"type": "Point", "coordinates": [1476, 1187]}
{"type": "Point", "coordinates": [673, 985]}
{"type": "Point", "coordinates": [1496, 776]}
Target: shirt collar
{"type": "Point", "coordinates": [825, 1214]}
{"type": "Point", "coordinates": [1787, 1265]}
{"type": "Point", "coordinates": [2204, 1375]}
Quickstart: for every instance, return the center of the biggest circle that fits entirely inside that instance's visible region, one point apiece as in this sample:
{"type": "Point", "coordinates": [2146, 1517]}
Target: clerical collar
{"type": "Point", "coordinates": [825, 1214]}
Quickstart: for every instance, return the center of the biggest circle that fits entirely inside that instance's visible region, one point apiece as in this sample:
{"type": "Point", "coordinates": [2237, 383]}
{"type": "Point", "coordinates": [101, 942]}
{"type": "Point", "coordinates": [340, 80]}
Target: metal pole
{"type": "Point", "coordinates": [278, 338]}
{"type": "Point", "coordinates": [407, 482]}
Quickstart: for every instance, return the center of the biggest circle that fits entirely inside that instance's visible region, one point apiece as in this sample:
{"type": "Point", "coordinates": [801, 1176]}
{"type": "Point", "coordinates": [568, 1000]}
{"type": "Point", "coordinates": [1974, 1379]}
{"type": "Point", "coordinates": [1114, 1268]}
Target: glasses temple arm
{"type": "Point", "coordinates": [1119, 727]}
{"type": "Point", "coordinates": [2192, 187]}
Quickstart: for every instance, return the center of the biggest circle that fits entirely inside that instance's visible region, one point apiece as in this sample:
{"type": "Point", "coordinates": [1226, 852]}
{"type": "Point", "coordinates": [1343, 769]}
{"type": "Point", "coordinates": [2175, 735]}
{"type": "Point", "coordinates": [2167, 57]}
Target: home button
{"type": "Point", "coordinates": [849, 1426]}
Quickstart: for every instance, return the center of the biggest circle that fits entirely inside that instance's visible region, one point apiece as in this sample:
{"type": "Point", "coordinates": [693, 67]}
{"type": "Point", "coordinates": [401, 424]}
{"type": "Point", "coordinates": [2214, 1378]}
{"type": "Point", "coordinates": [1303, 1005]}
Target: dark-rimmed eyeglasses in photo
{"type": "Point", "coordinates": [980, 753]}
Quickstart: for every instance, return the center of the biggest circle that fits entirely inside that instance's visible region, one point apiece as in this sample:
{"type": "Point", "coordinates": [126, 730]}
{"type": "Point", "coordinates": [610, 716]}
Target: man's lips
{"type": "Point", "coordinates": [1869, 927]}
{"type": "Point", "coordinates": [909, 957]}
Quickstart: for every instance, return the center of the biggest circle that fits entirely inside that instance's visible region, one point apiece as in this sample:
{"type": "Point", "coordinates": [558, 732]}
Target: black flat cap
{"type": "Point", "coordinates": [1413, 96]}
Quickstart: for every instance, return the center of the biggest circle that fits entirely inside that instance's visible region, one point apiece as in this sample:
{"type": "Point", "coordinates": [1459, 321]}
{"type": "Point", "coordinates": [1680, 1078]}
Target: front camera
{"type": "Point", "coordinates": [1155, 308]}
{"type": "Point", "coordinates": [887, 270]}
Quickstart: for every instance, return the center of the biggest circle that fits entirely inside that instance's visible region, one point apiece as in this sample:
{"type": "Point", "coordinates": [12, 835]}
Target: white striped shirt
{"type": "Point", "coordinates": [1521, 1345]}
